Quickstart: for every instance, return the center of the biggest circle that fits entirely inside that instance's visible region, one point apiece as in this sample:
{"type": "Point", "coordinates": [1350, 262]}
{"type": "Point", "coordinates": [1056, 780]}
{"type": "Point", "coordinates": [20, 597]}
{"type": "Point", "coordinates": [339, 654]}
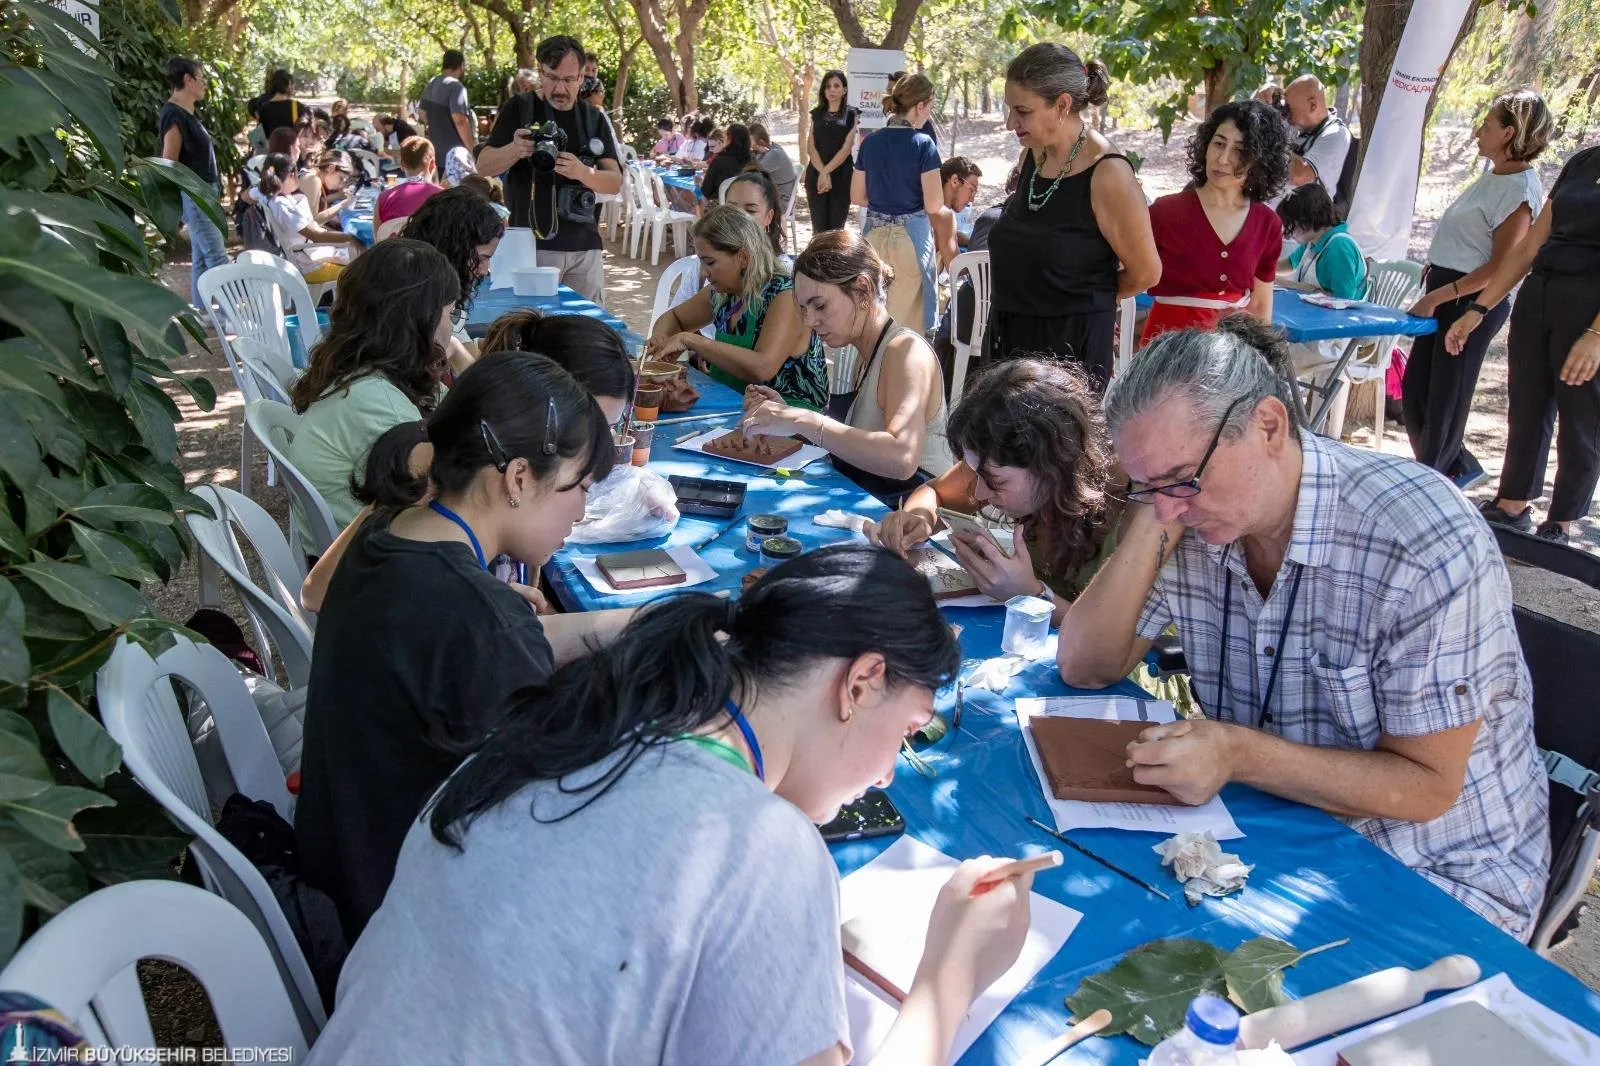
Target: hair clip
{"type": "Point", "coordinates": [551, 427]}
{"type": "Point", "coordinates": [491, 444]}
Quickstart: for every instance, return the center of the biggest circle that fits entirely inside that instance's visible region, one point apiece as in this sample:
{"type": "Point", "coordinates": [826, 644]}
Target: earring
{"type": "Point", "coordinates": [513, 501]}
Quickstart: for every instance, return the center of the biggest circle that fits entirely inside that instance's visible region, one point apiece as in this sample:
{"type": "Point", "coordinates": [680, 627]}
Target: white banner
{"type": "Point", "coordinates": [868, 70]}
{"type": "Point", "coordinates": [1386, 194]}
{"type": "Point", "coordinates": [87, 13]}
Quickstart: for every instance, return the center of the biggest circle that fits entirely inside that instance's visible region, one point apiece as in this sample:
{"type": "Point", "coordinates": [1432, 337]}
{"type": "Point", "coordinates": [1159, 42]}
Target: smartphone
{"type": "Point", "coordinates": [873, 815]}
{"type": "Point", "coordinates": [968, 525]}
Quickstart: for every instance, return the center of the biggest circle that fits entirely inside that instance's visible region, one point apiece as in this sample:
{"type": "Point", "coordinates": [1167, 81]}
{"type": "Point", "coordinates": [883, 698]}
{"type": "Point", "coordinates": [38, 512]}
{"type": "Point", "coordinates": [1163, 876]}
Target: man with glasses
{"type": "Point", "coordinates": [1345, 614]}
{"type": "Point", "coordinates": [553, 191]}
{"type": "Point", "coordinates": [959, 178]}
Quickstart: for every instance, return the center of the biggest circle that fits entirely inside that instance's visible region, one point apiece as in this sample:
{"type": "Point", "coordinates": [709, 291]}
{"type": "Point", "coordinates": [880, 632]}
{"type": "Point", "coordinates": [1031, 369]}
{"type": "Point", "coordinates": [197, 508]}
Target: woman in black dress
{"type": "Point", "coordinates": [1078, 211]}
{"type": "Point", "coordinates": [828, 170]}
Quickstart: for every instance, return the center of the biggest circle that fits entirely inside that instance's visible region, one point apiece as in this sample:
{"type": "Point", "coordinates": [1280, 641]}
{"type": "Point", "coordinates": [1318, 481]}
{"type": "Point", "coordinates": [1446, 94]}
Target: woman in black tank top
{"type": "Point", "coordinates": [1078, 212]}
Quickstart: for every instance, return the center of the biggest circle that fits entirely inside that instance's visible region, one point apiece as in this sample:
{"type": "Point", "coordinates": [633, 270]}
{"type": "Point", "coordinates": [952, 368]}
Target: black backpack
{"type": "Point", "coordinates": [1345, 190]}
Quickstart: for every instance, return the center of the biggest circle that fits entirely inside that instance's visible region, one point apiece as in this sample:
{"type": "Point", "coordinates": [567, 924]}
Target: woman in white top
{"type": "Point", "coordinates": [697, 145]}
{"type": "Point", "coordinates": [320, 253]}
{"type": "Point", "coordinates": [885, 422]}
{"type": "Point", "coordinates": [1474, 236]}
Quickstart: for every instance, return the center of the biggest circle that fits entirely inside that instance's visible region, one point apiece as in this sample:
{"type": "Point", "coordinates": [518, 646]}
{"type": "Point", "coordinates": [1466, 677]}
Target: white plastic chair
{"type": "Point", "coordinates": [83, 963]}
{"type": "Point", "coordinates": [789, 221]}
{"type": "Point", "coordinates": [275, 612]}
{"type": "Point", "coordinates": [679, 282]}
{"type": "Point", "coordinates": [1395, 284]}
{"type": "Point", "coordinates": [641, 208]}
{"type": "Point", "coordinates": [390, 227]}
{"type": "Point", "coordinates": [142, 714]}
{"type": "Point", "coordinates": [666, 218]}
{"type": "Point", "coordinates": [1127, 313]}
{"type": "Point", "coordinates": [274, 425]}
{"type": "Point", "coordinates": [975, 266]}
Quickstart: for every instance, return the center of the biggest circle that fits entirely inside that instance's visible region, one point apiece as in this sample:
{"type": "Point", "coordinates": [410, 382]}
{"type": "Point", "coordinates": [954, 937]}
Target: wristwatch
{"type": "Point", "coordinates": [1047, 593]}
{"type": "Point", "coordinates": [1483, 312]}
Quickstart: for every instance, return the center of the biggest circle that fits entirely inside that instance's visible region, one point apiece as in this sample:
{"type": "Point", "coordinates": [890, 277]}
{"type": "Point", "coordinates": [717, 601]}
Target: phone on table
{"type": "Point", "coordinates": [873, 815]}
{"type": "Point", "coordinates": [968, 525]}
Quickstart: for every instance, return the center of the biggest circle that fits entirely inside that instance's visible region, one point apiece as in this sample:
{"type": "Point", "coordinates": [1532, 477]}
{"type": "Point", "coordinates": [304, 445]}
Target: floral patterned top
{"type": "Point", "coordinates": [802, 381]}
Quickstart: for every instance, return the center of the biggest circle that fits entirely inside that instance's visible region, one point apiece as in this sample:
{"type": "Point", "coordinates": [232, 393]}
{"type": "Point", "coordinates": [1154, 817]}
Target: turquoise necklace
{"type": "Point", "coordinates": [1036, 200]}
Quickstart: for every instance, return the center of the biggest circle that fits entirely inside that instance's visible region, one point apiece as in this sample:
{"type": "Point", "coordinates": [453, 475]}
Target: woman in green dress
{"type": "Point", "coordinates": [760, 338]}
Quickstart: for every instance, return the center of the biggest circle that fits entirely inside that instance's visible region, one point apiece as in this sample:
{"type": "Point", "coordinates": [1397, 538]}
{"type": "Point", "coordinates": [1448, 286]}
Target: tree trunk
{"type": "Point", "coordinates": [1216, 86]}
{"type": "Point", "coordinates": [1341, 99]}
{"type": "Point", "coordinates": [1583, 95]}
{"type": "Point", "coordinates": [1381, 28]}
{"type": "Point", "coordinates": [1530, 40]}
{"type": "Point", "coordinates": [855, 35]}
{"type": "Point", "coordinates": [690, 15]}
{"type": "Point", "coordinates": [985, 101]}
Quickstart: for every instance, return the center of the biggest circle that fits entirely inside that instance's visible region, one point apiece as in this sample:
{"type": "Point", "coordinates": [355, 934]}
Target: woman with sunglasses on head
{"type": "Point", "coordinates": [466, 229]}
{"type": "Point", "coordinates": [1034, 455]}
{"type": "Point", "coordinates": [629, 870]}
{"type": "Point", "coordinates": [418, 645]}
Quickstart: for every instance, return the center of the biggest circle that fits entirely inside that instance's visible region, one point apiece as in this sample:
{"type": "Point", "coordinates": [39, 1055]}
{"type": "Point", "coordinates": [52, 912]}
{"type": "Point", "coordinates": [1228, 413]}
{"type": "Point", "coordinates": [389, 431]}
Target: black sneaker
{"type": "Point", "coordinates": [1553, 532]}
{"type": "Point", "coordinates": [1521, 522]}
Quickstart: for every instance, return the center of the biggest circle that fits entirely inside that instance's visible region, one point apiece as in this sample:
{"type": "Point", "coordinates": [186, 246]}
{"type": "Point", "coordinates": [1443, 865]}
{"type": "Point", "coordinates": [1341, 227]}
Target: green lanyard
{"type": "Point", "coordinates": [720, 748]}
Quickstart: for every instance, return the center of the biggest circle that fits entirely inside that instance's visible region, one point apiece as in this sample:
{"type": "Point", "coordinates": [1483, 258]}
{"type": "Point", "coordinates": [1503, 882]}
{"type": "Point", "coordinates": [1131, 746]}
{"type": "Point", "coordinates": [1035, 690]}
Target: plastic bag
{"type": "Point", "coordinates": [632, 503]}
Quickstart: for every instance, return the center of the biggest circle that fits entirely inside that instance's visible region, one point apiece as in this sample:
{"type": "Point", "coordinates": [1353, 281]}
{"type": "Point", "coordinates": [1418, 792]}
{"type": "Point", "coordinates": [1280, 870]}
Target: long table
{"type": "Point", "coordinates": [1315, 880]}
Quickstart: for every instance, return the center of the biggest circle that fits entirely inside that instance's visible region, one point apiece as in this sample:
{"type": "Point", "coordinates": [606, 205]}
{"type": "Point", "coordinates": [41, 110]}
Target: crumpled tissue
{"type": "Point", "coordinates": [995, 674]}
{"type": "Point", "coordinates": [1200, 863]}
{"type": "Point", "coordinates": [838, 519]}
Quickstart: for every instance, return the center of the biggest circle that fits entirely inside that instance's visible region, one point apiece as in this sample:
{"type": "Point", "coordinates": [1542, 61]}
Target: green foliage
{"type": "Point", "coordinates": [645, 103]}
{"type": "Point", "coordinates": [1148, 991]}
{"type": "Point", "coordinates": [88, 485]}
{"type": "Point", "coordinates": [483, 84]}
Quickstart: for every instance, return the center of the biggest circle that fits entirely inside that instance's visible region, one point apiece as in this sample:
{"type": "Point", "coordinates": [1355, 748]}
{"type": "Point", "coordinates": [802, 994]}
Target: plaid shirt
{"type": "Point", "coordinates": [1402, 626]}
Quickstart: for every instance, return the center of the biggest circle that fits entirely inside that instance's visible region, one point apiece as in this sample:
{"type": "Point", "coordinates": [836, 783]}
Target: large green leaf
{"type": "Point", "coordinates": [25, 110]}
{"type": "Point", "coordinates": [107, 505]}
{"type": "Point", "coordinates": [13, 649]}
{"type": "Point", "coordinates": [51, 878]}
{"type": "Point", "coordinates": [1149, 990]}
{"type": "Point", "coordinates": [21, 374]}
{"type": "Point", "coordinates": [151, 410]}
{"type": "Point", "coordinates": [87, 102]}
{"type": "Point", "coordinates": [51, 329]}
{"type": "Point", "coordinates": [49, 814]}
{"type": "Point", "coordinates": [132, 841]}
{"type": "Point", "coordinates": [100, 417]}
{"type": "Point", "coordinates": [82, 739]}
{"type": "Point", "coordinates": [109, 342]}
{"type": "Point", "coordinates": [112, 553]}
{"type": "Point", "coordinates": [19, 453]}
{"type": "Point", "coordinates": [21, 761]}
{"type": "Point", "coordinates": [10, 905]}
{"type": "Point", "coordinates": [47, 620]}
{"type": "Point", "coordinates": [200, 390]}
{"type": "Point", "coordinates": [1254, 971]}
{"type": "Point", "coordinates": [104, 599]}
{"type": "Point", "coordinates": [11, 539]}
{"type": "Point", "coordinates": [158, 171]}
{"type": "Point", "coordinates": [136, 302]}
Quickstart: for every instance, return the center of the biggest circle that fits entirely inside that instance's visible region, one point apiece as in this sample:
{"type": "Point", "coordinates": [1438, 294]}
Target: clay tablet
{"type": "Point", "coordinates": [1466, 1034]}
{"type": "Point", "coordinates": [758, 449]}
{"type": "Point", "coordinates": [641, 569]}
{"type": "Point", "coordinates": [1084, 757]}
{"type": "Point", "coordinates": [945, 576]}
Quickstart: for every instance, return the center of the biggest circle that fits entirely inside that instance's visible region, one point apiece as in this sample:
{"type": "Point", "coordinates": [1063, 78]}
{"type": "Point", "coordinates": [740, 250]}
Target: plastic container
{"type": "Point", "coordinates": [516, 252]}
{"type": "Point", "coordinates": [624, 449]}
{"type": "Point", "coordinates": [763, 526]}
{"type": "Point", "coordinates": [1211, 1027]}
{"type": "Point", "coordinates": [297, 347]}
{"type": "Point", "coordinates": [644, 435]}
{"type": "Point", "coordinates": [535, 281]}
{"type": "Point", "coordinates": [647, 402]}
{"type": "Point", "coordinates": [778, 550]}
{"type": "Point", "coordinates": [1027, 625]}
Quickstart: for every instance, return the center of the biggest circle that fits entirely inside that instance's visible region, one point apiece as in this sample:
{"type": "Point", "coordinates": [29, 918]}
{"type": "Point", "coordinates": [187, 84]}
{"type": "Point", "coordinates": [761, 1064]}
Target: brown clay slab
{"type": "Point", "coordinates": [945, 576]}
{"type": "Point", "coordinates": [758, 449]}
{"type": "Point", "coordinates": [1085, 759]}
{"type": "Point", "coordinates": [641, 569]}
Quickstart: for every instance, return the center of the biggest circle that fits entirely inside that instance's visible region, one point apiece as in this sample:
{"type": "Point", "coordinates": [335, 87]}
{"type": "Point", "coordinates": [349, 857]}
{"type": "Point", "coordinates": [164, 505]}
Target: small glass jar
{"type": "Point", "coordinates": [761, 527]}
{"type": "Point", "coordinates": [1027, 625]}
{"type": "Point", "coordinates": [778, 550]}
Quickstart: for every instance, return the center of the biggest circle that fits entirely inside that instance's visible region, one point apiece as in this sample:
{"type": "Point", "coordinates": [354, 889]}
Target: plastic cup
{"type": "Point", "coordinates": [647, 403]}
{"type": "Point", "coordinates": [624, 448]}
{"type": "Point", "coordinates": [644, 435]}
{"type": "Point", "coordinates": [1027, 625]}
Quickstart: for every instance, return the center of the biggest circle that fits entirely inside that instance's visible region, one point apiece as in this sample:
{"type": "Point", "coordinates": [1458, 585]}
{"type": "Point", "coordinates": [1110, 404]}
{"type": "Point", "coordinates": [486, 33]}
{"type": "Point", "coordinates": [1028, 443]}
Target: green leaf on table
{"type": "Point", "coordinates": [1149, 990]}
{"type": "Point", "coordinates": [13, 649]}
{"type": "Point", "coordinates": [103, 598]}
{"type": "Point", "coordinates": [48, 815]}
{"type": "Point", "coordinates": [83, 739]}
{"type": "Point", "coordinates": [1254, 971]}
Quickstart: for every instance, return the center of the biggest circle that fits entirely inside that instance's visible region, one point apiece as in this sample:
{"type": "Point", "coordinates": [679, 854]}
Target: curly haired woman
{"type": "Point", "coordinates": [465, 228]}
{"type": "Point", "coordinates": [1034, 452]}
{"type": "Point", "coordinates": [1218, 239]}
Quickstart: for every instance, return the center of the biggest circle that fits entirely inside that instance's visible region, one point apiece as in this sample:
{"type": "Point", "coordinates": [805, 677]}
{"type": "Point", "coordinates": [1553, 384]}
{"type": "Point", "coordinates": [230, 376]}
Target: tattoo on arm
{"type": "Point", "coordinates": [1161, 551]}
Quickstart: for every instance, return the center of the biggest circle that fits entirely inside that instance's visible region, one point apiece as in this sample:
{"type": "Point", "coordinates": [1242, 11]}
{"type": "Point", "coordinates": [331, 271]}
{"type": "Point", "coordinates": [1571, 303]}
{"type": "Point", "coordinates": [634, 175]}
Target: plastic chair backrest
{"type": "Point", "coordinates": [247, 303]}
{"type": "Point", "coordinates": [1396, 284]}
{"type": "Point", "coordinates": [284, 567]}
{"type": "Point", "coordinates": [679, 281]}
{"type": "Point", "coordinates": [975, 267]}
{"type": "Point", "coordinates": [96, 943]}
{"type": "Point", "coordinates": [141, 713]}
{"type": "Point", "coordinates": [369, 162]}
{"type": "Point", "coordinates": [390, 227]}
{"type": "Point", "coordinates": [274, 425]}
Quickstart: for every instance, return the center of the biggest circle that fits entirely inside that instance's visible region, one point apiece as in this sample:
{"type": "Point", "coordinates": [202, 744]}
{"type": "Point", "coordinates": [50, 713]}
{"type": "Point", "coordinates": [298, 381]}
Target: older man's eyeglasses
{"type": "Point", "coordinates": [1182, 490]}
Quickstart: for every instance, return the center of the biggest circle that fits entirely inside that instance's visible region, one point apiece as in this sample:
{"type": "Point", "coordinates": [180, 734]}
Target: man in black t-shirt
{"type": "Point", "coordinates": [184, 141]}
{"type": "Point", "coordinates": [557, 201]}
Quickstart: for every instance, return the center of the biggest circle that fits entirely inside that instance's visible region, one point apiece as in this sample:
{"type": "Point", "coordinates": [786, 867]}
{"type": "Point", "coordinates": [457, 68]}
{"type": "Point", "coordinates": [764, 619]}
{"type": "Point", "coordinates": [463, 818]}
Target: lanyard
{"type": "Point", "coordinates": [749, 737]}
{"type": "Point", "coordinates": [1283, 635]}
{"type": "Point", "coordinates": [438, 508]}
{"type": "Point", "coordinates": [727, 752]}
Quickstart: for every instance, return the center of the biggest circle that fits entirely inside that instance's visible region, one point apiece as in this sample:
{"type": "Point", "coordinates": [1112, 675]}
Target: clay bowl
{"type": "Point", "coordinates": [657, 371]}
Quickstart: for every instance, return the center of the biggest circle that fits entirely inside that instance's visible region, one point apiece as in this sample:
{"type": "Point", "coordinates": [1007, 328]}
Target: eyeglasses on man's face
{"type": "Point", "coordinates": [1182, 490]}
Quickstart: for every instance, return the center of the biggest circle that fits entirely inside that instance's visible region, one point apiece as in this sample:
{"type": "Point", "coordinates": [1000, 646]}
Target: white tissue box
{"type": "Point", "coordinates": [535, 281]}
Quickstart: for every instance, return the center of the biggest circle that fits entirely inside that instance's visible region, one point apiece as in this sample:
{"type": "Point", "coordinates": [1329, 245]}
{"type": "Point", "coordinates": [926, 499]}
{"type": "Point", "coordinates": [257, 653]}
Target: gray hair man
{"type": "Point", "coordinates": [1346, 617]}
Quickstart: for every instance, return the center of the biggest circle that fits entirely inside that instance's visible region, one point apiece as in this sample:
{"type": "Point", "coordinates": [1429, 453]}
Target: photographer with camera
{"type": "Point", "coordinates": [555, 153]}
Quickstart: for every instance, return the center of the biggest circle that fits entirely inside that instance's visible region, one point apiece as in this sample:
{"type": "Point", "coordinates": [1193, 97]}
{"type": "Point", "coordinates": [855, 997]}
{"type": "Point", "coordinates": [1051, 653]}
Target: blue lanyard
{"type": "Point", "coordinates": [438, 508]}
{"type": "Point", "coordinates": [1277, 659]}
{"type": "Point", "coordinates": [749, 737]}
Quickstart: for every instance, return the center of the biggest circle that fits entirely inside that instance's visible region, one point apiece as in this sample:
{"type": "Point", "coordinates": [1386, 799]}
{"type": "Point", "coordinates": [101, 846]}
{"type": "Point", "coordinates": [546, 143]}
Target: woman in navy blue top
{"type": "Point", "coordinates": [897, 179]}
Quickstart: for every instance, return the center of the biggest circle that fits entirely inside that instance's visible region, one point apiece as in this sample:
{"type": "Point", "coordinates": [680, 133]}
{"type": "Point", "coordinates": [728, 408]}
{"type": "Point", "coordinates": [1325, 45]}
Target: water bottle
{"type": "Point", "coordinates": [1206, 1039]}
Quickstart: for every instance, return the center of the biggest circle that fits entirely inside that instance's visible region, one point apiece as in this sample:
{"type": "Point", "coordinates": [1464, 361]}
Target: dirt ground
{"type": "Point", "coordinates": [209, 441]}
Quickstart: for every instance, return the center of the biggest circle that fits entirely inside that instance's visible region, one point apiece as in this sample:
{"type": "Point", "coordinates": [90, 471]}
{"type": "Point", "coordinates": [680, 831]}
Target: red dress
{"type": "Point", "coordinates": [1200, 276]}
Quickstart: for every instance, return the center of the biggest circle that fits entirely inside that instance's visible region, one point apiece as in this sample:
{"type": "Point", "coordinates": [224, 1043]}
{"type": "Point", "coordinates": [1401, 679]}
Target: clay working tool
{"type": "Point", "coordinates": [1082, 1031]}
{"type": "Point", "coordinates": [1353, 1003]}
{"type": "Point", "coordinates": [1015, 868]}
{"type": "Point", "coordinates": [1080, 849]}
{"type": "Point", "coordinates": [694, 418]}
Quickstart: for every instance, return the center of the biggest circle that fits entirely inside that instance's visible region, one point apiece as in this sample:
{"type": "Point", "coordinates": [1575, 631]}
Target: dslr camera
{"type": "Point", "coordinates": [573, 200]}
{"type": "Point", "coordinates": [549, 141]}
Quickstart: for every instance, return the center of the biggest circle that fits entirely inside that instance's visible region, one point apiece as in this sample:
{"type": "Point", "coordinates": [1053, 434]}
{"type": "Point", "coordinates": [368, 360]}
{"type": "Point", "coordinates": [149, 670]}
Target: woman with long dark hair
{"type": "Point", "coordinates": [379, 364]}
{"type": "Point", "coordinates": [753, 192]}
{"type": "Point", "coordinates": [1035, 456]}
{"type": "Point", "coordinates": [418, 645]}
{"type": "Point", "coordinates": [466, 230]}
{"type": "Point", "coordinates": [828, 164]}
{"type": "Point", "coordinates": [1218, 239]}
{"type": "Point", "coordinates": [628, 871]}
{"type": "Point", "coordinates": [736, 154]}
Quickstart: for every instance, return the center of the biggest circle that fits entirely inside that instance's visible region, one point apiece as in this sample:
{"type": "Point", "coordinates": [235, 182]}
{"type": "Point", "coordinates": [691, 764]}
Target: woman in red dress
{"type": "Point", "coordinates": [1219, 241]}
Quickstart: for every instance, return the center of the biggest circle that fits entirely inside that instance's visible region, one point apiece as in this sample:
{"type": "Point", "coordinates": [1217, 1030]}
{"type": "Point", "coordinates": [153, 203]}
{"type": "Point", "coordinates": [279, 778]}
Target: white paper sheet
{"type": "Point", "coordinates": [1104, 708]}
{"type": "Point", "coordinates": [808, 453]}
{"type": "Point", "coordinates": [1564, 1039]}
{"type": "Point", "coordinates": [1211, 816]}
{"type": "Point", "coordinates": [898, 888]}
{"type": "Point", "coordinates": [696, 571]}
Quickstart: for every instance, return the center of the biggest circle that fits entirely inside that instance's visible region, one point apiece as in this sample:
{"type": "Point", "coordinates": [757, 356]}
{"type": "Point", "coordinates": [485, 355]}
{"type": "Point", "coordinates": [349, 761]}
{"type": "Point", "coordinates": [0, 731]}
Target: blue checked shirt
{"type": "Point", "coordinates": [1402, 626]}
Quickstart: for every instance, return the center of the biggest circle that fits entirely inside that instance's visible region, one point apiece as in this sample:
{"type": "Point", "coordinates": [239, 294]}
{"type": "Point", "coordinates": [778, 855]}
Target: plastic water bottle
{"type": "Point", "coordinates": [1206, 1039]}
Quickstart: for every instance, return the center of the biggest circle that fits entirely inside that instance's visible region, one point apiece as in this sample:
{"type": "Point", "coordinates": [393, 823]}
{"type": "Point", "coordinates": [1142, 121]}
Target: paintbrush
{"type": "Point", "coordinates": [1080, 849]}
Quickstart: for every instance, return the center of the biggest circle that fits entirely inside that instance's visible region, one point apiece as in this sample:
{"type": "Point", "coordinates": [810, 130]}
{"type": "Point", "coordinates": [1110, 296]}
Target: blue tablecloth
{"type": "Point", "coordinates": [1304, 322]}
{"type": "Point", "coordinates": [355, 217]}
{"type": "Point", "coordinates": [490, 304]}
{"type": "Point", "coordinates": [1314, 881]}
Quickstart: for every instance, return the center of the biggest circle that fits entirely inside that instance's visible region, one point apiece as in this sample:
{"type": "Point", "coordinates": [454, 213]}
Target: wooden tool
{"type": "Point", "coordinates": [1357, 1002]}
{"type": "Point", "coordinates": [1016, 868]}
{"type": "Point", "coordinates": [1082, 1031]}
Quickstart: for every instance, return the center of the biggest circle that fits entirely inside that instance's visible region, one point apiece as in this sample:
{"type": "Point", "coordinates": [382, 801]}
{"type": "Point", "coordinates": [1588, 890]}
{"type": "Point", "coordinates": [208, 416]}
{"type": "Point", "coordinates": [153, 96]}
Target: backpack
{"type": "Point", "coordinates": [1345, 190]}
